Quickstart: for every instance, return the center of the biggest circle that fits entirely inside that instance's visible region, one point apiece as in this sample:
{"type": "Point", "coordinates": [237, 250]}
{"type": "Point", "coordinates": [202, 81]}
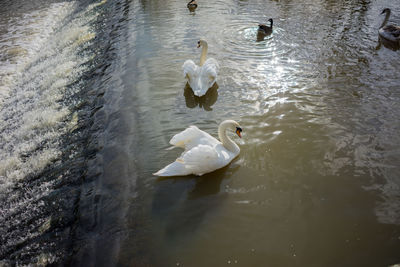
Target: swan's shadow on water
{"type": "Point", "coordinates": [182, 202]}
{"type": "Point", "coordinates": [388, 44]}
{"type": "Point", "coordinates": [205, 101]}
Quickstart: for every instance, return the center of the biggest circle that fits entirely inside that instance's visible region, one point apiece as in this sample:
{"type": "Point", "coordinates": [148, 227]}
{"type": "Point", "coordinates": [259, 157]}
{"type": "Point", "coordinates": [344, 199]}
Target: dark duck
{"type": "Point", "coordinates": [192, 5]}
{"type": "Point", "coordinates": [264, 29]}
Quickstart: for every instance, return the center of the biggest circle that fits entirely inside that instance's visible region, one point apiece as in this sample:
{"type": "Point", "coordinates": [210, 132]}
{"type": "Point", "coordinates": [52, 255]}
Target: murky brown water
{"type": "Point", "coordinates": [317, 180]}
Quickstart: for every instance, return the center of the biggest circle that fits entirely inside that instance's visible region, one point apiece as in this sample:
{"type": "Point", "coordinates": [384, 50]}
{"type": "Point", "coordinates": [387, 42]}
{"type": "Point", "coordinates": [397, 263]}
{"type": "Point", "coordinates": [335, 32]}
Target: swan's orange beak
{"type": "Point", "coordinates": [239, 131]}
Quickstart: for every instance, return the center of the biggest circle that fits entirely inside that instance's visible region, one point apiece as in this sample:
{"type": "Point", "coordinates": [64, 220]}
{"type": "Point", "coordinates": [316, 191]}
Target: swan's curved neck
{"type": "Point", "coordinates": [203, 53]}
{"type": "Point", "coordinates": [225, 140]}
{"type": "Point", "coordinates": [387, 15]}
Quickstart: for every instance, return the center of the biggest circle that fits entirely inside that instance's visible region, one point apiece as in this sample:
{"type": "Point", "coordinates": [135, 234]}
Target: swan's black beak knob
{"type": "Point", "coordinates": [198, 44]}
{"type": "Point", "coordinates": [239, 131]}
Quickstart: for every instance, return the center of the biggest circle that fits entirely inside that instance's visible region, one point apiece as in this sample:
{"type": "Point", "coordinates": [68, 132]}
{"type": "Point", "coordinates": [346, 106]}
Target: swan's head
{"type": "Point", "coordinates": [386, 10]}
{"type": "Point", "coordinates": [201, 43]}
{"type": "Point", "coordinates": [231, 125]}
{"type": "Point", "coordinates": [271, 21]}
{"type": "Point", "coordinates": [236, 127]}
{"type": "Point", "coordinates": [239, 131]}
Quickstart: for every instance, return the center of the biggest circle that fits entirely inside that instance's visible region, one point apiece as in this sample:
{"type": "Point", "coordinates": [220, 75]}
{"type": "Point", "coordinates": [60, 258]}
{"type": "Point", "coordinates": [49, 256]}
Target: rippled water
{"type": "Point", "coordinates": [317, 180]}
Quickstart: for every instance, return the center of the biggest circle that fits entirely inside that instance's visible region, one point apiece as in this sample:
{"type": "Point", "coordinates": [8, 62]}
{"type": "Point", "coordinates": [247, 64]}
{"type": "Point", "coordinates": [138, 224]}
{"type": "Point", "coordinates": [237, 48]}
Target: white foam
{"type": "Point", "coordinates": [42, 58]}
{"type": "Point", "coordinates": [24, 39]}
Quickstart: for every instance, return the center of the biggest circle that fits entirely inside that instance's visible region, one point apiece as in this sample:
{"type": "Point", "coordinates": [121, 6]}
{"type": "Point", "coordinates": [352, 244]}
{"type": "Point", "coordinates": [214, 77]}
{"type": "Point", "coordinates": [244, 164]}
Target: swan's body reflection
{"type": "Point", "coordinates": [388, 44]}
{"type": "Point", "coordinates": [182, 202]}
{"type": "Point", "coordinates": [205, 101]}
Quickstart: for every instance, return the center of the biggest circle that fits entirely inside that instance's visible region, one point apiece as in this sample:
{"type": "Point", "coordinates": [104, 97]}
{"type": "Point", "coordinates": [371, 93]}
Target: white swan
{"type": "Point", "coordinates": [203, 153]}
{"type": "Point", "coordinates": [201, 78]}
{"type": "Point", "coordinates": [389, 32]}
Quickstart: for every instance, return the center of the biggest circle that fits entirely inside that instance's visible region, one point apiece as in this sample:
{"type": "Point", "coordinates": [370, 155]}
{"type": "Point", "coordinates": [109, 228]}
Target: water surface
{"type": "Point", "coordinates": [316, 183]}
{"type": "Point", "coordinates": [317, 180]}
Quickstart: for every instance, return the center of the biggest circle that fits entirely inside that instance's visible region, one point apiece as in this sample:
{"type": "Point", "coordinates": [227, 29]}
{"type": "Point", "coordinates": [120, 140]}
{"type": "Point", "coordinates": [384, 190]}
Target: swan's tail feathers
{"type": "Point", "coordinates": [174, 169]}
{"type": "Point", "coordinates": [199, 92]}
{"type": "Point", "coordinates": [208, 76]}
{"type": "Point", "coordinates": [200, 88]}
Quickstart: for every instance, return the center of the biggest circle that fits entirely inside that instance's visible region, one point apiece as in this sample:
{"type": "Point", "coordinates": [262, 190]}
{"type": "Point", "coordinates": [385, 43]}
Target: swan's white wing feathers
{"type": "Point", "coordinates": [190, 70]}
{"type": "Point", "coordinates": [203, 154]}
{"type": "Point", "coordinates": [187, 137]}
{"type": "Point", "coordinates": [210, 68]}
{"type": "Point", "coordinates": [390, 32]}
{"type": "Point", "coordinates": [207, 76]}
{"type": "Point", "coordinates": [191, 137]}
{"type": "Point", "coordinates": [198, 160]}
{"type": "Point", "coordinates": [201, 78]}
{"type": "Point", "coordinates": [201, 159]}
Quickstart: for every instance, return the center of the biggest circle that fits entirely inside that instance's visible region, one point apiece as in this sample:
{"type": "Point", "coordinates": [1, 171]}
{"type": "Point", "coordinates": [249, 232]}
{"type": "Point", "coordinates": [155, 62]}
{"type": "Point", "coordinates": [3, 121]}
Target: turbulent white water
{"type": "Point", "coordinates": [48, 52]}
{"type": "Point", "coordinates": [43, 54]}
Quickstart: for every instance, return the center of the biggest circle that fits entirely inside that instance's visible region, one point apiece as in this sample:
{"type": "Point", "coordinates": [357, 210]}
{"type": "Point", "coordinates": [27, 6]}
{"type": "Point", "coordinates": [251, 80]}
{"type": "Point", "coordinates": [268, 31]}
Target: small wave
{"type": "Point", "coordinates": [240, 42]}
